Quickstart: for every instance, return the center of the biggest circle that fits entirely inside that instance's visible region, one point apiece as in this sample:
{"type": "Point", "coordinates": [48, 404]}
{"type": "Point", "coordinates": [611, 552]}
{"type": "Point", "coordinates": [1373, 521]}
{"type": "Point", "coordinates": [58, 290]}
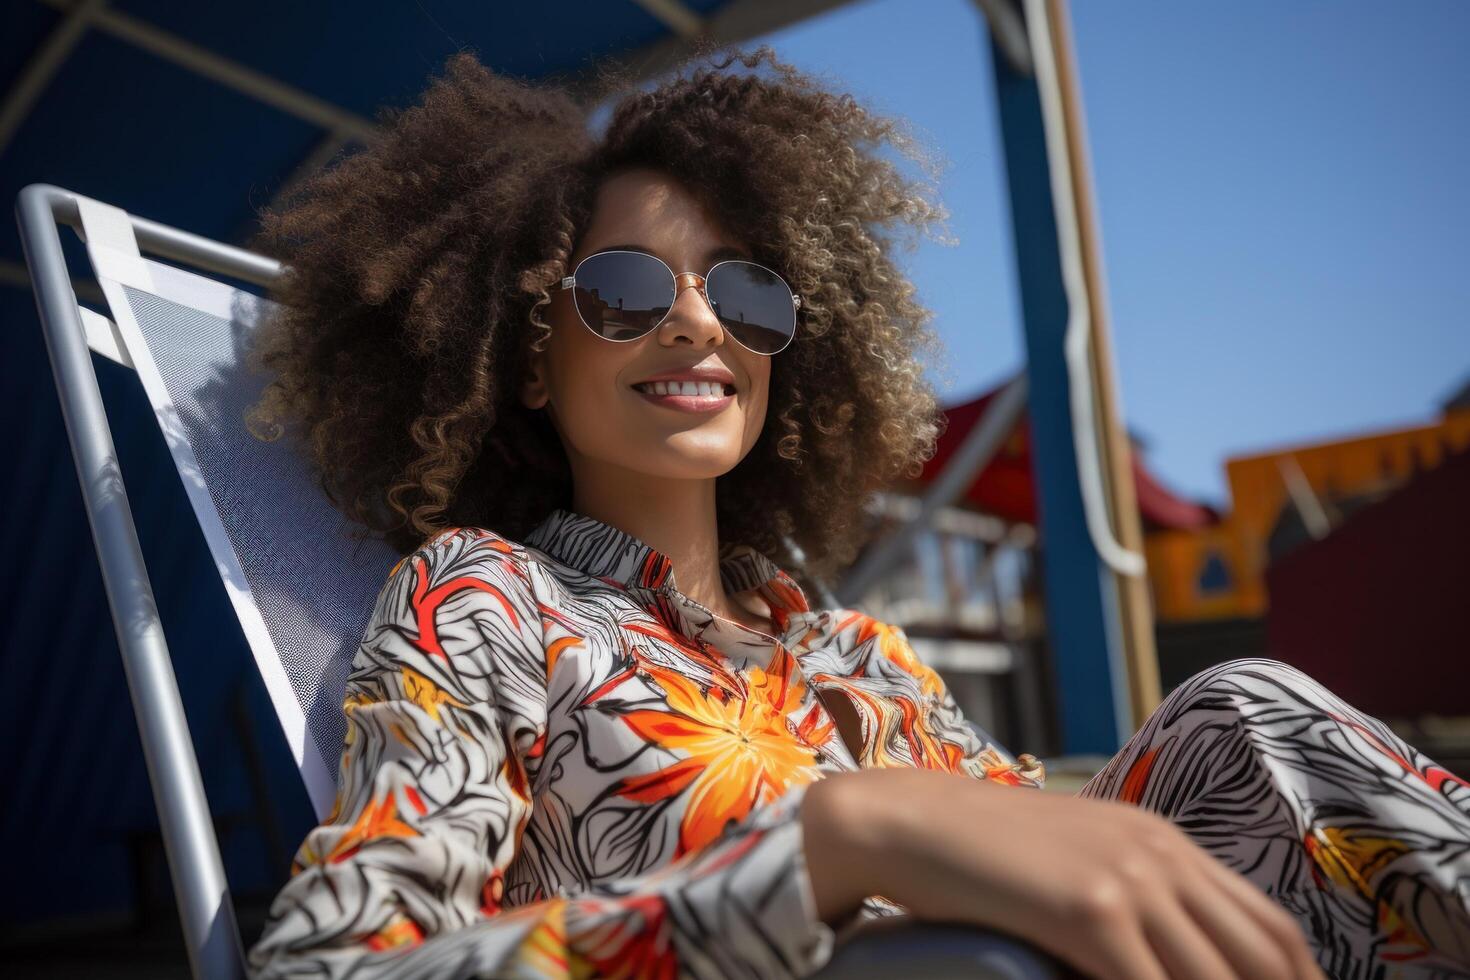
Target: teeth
{"type": "Point", "coordinates": [697, 388]}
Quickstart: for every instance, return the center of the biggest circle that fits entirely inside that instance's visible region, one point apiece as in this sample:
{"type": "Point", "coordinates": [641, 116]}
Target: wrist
{"type": "Point", "coordinates": [884, 831]}
{"type": "Point", "coordinates": [857, 827]}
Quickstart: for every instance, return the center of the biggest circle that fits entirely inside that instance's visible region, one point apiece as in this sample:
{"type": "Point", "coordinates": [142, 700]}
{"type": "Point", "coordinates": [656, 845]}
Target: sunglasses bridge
{"type": "Point", "coordinates": [694, 280]}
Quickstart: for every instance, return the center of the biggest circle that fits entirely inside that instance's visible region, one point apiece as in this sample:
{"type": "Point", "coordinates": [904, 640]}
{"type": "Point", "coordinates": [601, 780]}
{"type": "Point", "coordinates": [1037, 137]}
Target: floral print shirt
{"type": "Point", "coordinates": [559, 765]}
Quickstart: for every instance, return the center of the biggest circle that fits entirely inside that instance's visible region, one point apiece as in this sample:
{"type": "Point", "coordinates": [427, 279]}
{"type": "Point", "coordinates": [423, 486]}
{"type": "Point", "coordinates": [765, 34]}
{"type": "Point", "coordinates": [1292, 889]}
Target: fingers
{"type": "Point", "coordinates": [1271, 922]}
{"type": "Point", "coordinates": [1108, 939]}
{"type": "Point", "coordinates": [1236, 932]}
{"type": "Point", "coordinates": [1188, 950]}
{"type": "Point", "coordinates": [1121, 952]}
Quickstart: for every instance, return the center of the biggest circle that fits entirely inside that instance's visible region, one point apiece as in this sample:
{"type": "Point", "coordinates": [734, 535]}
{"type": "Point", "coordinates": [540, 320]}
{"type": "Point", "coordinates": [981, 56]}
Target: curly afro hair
{"type": "Point", "coordinates": [416, 269]}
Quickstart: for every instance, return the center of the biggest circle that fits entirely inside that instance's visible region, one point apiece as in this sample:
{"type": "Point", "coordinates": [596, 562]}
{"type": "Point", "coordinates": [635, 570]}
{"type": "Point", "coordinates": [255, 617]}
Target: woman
{"type": "Point", "coordinates": [595, 726]}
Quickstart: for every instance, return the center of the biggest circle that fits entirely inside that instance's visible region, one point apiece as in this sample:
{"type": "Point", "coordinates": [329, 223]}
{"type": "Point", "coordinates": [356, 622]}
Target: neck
{"type": "Point", "coordinates": [675, 517]}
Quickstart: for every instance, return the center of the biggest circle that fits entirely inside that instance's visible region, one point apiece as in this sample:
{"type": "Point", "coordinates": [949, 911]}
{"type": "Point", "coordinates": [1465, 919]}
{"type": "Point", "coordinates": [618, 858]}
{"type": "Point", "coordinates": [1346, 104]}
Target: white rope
{"type": "Point", "coordinates": [1079, 311]}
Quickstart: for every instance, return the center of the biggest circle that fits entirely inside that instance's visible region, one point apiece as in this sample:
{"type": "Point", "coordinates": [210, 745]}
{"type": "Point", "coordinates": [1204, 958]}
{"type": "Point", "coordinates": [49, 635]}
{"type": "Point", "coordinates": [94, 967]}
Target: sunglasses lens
{"type": "Point", "coordinates": [623, 295]}
{"type": "Point", "coordinates": [754, 304]}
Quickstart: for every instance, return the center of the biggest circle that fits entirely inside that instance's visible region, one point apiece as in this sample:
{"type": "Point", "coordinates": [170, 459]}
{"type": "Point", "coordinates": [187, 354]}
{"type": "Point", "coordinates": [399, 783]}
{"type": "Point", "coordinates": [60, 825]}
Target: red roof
{"type": "Point", "coordinates": [1006, 489]}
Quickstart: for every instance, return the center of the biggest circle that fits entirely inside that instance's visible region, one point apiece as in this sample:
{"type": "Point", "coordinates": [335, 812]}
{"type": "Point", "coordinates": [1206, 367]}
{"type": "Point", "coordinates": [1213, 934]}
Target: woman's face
{"type": "Point", "coordinates": [587, 383]}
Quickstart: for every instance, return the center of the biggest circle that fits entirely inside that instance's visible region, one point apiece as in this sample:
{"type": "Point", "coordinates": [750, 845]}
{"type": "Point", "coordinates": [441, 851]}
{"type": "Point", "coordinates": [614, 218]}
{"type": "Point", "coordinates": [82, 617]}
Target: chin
{"type": "Point", "coordinates": [692, 468]}
{"type": "Point", "coordinates": [674, 462]}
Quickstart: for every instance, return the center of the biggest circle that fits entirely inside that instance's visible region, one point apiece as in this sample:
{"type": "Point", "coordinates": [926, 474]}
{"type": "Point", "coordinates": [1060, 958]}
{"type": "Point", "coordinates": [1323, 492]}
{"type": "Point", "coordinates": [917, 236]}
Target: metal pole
{"type": "Point", "coordinates": [205, 909]}
{"type": "Point", "coordinates": [171, 243]}
{"type": "Point", "coordinates": [1082, 605]}
{"type": "Point", "coordinates": [1106, 459]}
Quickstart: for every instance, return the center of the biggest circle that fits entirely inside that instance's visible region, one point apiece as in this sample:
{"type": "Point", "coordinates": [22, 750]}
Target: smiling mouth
{"type": "Point", "coordinates": [707, 398]}
{"type": "Point", "coordinates": [698, 389]}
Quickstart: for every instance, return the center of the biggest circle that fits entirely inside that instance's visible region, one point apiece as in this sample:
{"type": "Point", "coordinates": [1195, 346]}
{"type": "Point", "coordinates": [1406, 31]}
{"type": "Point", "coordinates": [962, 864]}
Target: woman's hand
{"type": "Point", "coordinates": [1112, 889]}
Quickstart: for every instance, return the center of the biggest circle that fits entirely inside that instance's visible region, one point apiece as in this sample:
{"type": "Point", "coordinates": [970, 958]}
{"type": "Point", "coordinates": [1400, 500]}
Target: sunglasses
{"type": "Point", "coordinates": [622, 295]}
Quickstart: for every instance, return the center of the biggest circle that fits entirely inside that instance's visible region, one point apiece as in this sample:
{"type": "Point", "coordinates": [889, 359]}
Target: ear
{"type": "Point", "coordinates": [534, 393]}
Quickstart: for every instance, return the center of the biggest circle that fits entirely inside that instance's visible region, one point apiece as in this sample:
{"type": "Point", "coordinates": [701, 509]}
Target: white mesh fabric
{"type": "Point", "coordinates": [302, 584]}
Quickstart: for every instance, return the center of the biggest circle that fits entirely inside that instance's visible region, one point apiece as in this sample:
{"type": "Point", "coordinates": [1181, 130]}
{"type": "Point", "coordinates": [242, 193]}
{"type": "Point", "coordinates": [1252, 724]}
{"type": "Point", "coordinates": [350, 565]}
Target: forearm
{"type": "Point", "coordinates": [862, 831]}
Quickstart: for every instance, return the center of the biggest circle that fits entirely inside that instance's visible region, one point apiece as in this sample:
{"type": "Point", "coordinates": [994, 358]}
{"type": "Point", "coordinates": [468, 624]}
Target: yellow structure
{"type": "Point", "coordinates": [1218, 572]}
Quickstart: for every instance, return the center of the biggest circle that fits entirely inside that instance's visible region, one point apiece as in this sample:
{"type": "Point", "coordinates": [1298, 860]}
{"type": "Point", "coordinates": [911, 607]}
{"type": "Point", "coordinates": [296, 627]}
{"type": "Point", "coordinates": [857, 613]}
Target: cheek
{"type": "Point", "coordinates": [583, 381]}
{"type": "Point", "coordinates": [592, 412]}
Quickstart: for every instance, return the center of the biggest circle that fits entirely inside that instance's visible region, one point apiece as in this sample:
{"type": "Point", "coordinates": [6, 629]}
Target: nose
{"type": "Point", "coordinates": [691, 318]}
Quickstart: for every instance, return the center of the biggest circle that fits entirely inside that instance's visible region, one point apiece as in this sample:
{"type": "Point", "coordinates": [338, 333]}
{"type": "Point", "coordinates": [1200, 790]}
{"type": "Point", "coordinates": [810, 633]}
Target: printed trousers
{"type": "Point", "coordinates": [1359, 835]}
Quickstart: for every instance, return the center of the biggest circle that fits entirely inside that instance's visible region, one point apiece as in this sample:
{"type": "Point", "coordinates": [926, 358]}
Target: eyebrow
{"type": "Point", "coordinates": [714, 255]}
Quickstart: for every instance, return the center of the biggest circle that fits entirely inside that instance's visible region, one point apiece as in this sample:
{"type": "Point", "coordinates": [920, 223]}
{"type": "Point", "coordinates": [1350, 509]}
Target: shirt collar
{"type": "Point", "coordinates": [618, 558]}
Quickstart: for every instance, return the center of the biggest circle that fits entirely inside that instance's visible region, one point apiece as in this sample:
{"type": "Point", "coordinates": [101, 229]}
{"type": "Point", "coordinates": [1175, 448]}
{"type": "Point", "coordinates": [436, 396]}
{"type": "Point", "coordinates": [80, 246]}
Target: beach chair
{"type": "Point", "coordinates": [301, 578]}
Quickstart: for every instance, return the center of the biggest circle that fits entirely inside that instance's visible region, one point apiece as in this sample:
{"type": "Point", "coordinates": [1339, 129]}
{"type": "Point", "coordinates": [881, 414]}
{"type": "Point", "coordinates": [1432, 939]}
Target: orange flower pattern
{"type": "Point", "coordinates": [557, 765]}
{"type": "Point", "coordinates": [738, 747]}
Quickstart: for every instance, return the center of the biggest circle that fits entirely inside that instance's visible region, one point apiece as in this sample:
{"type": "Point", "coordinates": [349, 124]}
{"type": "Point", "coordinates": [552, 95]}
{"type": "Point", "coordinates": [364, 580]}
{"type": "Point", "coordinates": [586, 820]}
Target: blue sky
{"type": "Point", "coordinates": [1282, 193]}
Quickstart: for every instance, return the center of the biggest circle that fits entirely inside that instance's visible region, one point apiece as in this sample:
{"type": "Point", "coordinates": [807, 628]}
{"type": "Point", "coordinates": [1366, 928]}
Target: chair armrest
{"type": "Point", "coordinates": [899, 946]}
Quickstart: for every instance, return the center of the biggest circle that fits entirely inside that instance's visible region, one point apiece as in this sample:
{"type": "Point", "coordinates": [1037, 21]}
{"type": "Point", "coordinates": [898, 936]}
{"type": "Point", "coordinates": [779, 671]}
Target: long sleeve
{"type": "Point", "coordinates": [446, 702]}
{"type": "Point", "coordinates": [908, 714]}
{"type": "Point", "coordinates": [962, 746]}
